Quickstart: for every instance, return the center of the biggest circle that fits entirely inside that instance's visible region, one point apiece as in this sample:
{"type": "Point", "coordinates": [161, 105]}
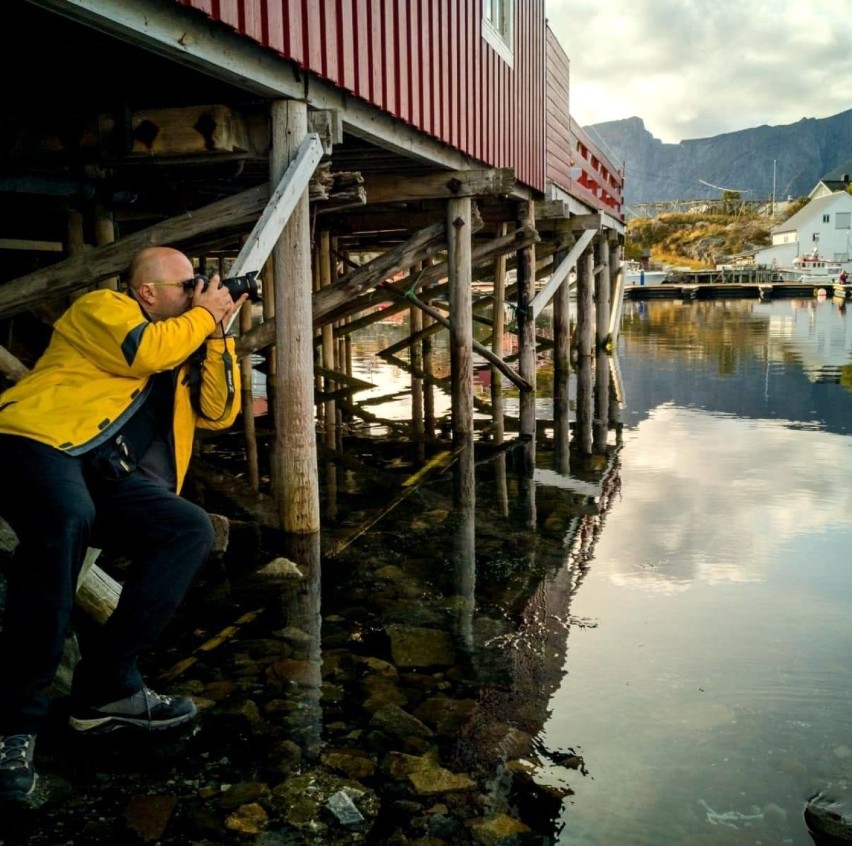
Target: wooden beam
{"type": "Point", "coordinates": [17, 295]}
{"type": "Point", "coordinates": [551, 210]}
{"type": "Point", "coordinates": [422, 244]}
{"type": "Point", "coordinates": [188, 130]}
{"type": "Point", "coordinates": [388, 188]}
{"type": "Point", "coordinates": [11, 366]}
{"type": "Point", "coordinates": [482, 254]}
{"type": "Point", "coordinates": [544, 296]}
{"type": "Point", "coordinates": [33, 246]}
{"type": "Point", "coordinates": [585, 221]}
{"type": "Point", "coordinates": [486, 353]}
{"type": "Point", "coordinates": [281, 204]}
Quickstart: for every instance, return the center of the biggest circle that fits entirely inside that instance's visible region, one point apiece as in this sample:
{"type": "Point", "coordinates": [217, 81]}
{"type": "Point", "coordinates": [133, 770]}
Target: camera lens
{"type": "Point", "coordinates": [247, 284]}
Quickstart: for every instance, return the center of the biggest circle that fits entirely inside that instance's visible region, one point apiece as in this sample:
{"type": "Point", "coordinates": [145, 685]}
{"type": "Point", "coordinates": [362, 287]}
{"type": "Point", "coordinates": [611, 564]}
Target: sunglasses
{"type": "Point", "coordinates": [187, 285]}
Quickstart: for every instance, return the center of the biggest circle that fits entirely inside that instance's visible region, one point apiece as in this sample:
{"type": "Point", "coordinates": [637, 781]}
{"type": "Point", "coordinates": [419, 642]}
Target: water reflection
{"type": "Point", "coordinates": [631, 630]}
{"type": "Point", "coordinates": [713, 698]}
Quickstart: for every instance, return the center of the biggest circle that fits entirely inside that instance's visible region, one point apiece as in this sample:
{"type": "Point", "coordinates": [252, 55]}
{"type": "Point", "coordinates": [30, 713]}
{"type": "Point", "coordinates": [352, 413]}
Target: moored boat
{"type": "Point", "coordinates": [812, 268]}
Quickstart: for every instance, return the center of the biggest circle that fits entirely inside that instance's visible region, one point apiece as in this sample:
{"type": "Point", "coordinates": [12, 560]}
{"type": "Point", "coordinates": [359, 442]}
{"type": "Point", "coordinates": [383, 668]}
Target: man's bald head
{"type": "Point", "coordinates": [155, 264]}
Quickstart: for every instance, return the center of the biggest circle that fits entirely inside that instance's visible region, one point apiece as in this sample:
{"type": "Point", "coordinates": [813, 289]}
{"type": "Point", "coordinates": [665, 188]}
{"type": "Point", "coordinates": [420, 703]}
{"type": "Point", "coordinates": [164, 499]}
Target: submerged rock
{"type": "Point", "coordinates": [828, 815]}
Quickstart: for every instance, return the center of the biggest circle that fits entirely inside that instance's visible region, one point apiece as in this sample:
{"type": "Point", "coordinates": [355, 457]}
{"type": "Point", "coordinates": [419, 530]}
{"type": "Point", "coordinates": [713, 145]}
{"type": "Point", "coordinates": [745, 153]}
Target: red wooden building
{"type": "Point", "coordinates": [176, 121]}
{"type": "Point", "coordinates": [489, 80]}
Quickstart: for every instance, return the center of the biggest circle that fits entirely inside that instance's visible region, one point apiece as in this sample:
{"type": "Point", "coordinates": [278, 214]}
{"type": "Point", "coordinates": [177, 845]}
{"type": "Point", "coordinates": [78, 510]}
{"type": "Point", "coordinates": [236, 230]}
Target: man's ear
{"type": "Point", "coordinates": [144, 294]}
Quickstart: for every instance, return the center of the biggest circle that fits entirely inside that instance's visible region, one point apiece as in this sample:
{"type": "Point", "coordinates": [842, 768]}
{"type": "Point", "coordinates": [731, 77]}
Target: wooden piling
{"type": "Point", "coordinates": [75, 242]}
{"type": "Point", "coordinates": [561, 371]}
{"type": "Point", "coordinates": [498, 324]}
{"type": "Point", "coordinates": [415, 321]}
{"type": "Point", "coordinates": [247, 395]}
{"type": "Point", "coordinates": [461, 317]}
{"type": "Point", "coordinates": [603, 291]}
{"type": "Point", "coordinates": [585, 304]}
{"type": "Point", "coordinates": [325, 279]}
{"type": "Point", "coordinates": [585, 405]}
{"type": "Point", "coordinates": [104, 226]}
{"type": "Point", "coordinates": [600, 427]}
{"type": "Point", "coordinates": [296, 481]}
{"type": "Point", "coordinates": [526, 322]}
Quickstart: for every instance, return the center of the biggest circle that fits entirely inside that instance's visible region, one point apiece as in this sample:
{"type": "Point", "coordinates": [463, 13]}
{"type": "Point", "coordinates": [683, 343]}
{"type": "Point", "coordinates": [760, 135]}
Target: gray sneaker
{"type": "Point", "coordinates": [144, 709]}
{"type": "Point", "coordinates": [17, 775]}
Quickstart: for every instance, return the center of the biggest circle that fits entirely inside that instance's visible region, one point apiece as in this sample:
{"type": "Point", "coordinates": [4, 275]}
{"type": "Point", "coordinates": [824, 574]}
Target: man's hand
{"type": "Point", "coordinates": [217, 300]}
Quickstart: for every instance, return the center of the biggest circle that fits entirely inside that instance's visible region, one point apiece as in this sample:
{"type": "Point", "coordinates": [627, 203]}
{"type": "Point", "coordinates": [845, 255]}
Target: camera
{"type": "Point", "coordinates": [236, 285]}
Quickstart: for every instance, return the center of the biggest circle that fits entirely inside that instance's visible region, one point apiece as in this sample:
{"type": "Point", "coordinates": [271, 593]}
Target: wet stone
{"type": "Point", "coordinates": [828, 815]}
{"type": "Point", "coordinates": [248, 819]}
{"type": "Point", "coordinates": [445, 715]}
{"type": "Point", "coordinates": [379, 667]}
{"type": "Point", "coordinates": [382, 692]}
{"type": "Point", "coordinates": [398, 723]}
{"type": "Point", "coordinates": [288, 671]}
{"type": "Point", "coordinates": [220, 690]}
{"type": "Point", "coordinates": [430, 781]}
{"type": "Point", "coordinates": [279, 570]}
{"type": "Point", "coordinates": [425, 775]}
{"type": "Point", "coordinates": [302, 799]}
{"type": "Point", "coordinates": [420, 647]}
{"type": "Point", "coordinates": [344, 809]}
{"type": "Point", "coordinates": [283, 758]}
{"type": "Point", "coordinates": [497, 830]}
{"type": "Point", "coordinates": [244, 794]}
{"type": "Point", "coordinates": [356, 766]}
{"type": "Point", "coordinates": [148, 816]}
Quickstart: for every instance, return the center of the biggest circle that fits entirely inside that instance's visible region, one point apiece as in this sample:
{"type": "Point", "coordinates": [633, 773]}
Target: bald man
{"type": "Point", "coordinates": [94, 446]}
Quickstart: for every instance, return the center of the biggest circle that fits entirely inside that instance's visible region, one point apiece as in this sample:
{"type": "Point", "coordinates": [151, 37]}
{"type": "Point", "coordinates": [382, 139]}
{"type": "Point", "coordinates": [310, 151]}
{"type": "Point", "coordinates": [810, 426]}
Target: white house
{"type": "Point", "coordinates": [837, 180]}
{"type": "Point", "coordinates": [823, 227]}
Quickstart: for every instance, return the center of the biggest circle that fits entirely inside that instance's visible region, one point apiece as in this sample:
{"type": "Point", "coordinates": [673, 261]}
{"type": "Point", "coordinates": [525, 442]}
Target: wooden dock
{"type": "Point", "coordinates": [733, 290]}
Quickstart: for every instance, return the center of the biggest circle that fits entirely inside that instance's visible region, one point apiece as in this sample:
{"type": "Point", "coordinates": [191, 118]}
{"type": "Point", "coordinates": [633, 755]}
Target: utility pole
{"type": "Point", "coordinates": [774, 162]}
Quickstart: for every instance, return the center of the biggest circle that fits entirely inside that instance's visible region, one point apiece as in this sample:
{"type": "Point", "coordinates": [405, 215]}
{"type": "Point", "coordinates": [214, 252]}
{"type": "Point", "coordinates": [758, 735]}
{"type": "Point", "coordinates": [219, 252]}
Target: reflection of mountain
{"type": "Point", "coordinates": [758, 360]}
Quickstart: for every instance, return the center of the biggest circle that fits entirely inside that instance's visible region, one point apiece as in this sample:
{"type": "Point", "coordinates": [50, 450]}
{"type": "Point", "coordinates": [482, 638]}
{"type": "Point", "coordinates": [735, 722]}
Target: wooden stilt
{"type": "Point", "coordinates": [585, 404]}
{"type": "Point", "coordinates": [296, 484]}
{"type": "Point", "coordinates": [600, 428]}
{"type": "Point", "coordinates": [75, 242]}
{"type": "Point", "coordinates": [428, 368]}
{"type": "Point", "coordinates": [249, 430]}
{"type": "Point", "coordinates": [325, 279]}
{"type": "Point", "coordinates": [603, 291]}
{"type": "Point", "coordinates": [561, 373]}
{"type": "Point", "coordinates": [319, 382]}
{"type": "Point", "coordinates": [585, 304]}
{"type": "Point", "coordinates": [105, 234]}
{"type": "Point", "coordinates": [464, 543]}
{"type": "Point", "coordinates": [415, 323]}
{"type": "Point", "coordinates": [526, 323]}
{"type": "Point", "coordinates": [461, 317]}
{"type": "Point", "coordinates": [498, 322]}
{"type": "Point", "coordinates": [268, 308]}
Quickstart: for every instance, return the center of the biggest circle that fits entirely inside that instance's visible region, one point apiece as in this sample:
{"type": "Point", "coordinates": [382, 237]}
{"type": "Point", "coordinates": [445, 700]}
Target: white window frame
{"type": "Point", "coordinates": [842, 220]}
{"type": "Point", "coordinates": [500, 33]}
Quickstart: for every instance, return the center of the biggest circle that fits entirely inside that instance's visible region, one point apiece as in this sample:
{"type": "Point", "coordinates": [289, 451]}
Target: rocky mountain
{"type": "Point", "coordinates": [800, 154]}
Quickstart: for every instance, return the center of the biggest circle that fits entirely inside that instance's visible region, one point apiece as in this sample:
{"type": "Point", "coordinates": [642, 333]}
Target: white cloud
{"type": "Point", "coordinates": [778, 484]}
{"type": "Point", "coordinates": [696, 68]}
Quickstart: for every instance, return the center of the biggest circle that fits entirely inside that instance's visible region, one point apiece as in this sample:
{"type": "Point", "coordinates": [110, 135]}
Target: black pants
{"type": "Point", "coordinates": [57, 511]}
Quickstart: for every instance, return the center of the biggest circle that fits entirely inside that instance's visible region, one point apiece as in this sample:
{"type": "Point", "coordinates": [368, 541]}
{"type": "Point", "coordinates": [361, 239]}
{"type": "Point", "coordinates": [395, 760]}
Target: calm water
{"type": "Point", "coordinates": [648, 645]}
{"type": "Point", "coordinates": [714, 695]}
{"type": "Point", "coordinates": [704, 669]}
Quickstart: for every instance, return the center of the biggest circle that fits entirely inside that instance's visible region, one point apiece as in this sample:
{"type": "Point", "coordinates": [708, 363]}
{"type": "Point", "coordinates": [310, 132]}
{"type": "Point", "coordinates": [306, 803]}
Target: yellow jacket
{"type": "Point", "coordinates": [96, 368]}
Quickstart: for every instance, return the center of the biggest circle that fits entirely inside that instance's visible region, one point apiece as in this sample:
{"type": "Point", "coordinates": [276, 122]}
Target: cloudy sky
{"type": "Point", "coordinates": [698, 68]}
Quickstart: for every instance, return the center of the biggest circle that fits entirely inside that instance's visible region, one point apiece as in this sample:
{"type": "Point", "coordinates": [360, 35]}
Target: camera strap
{"type": "Point", "coordinates": [195, 365]}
